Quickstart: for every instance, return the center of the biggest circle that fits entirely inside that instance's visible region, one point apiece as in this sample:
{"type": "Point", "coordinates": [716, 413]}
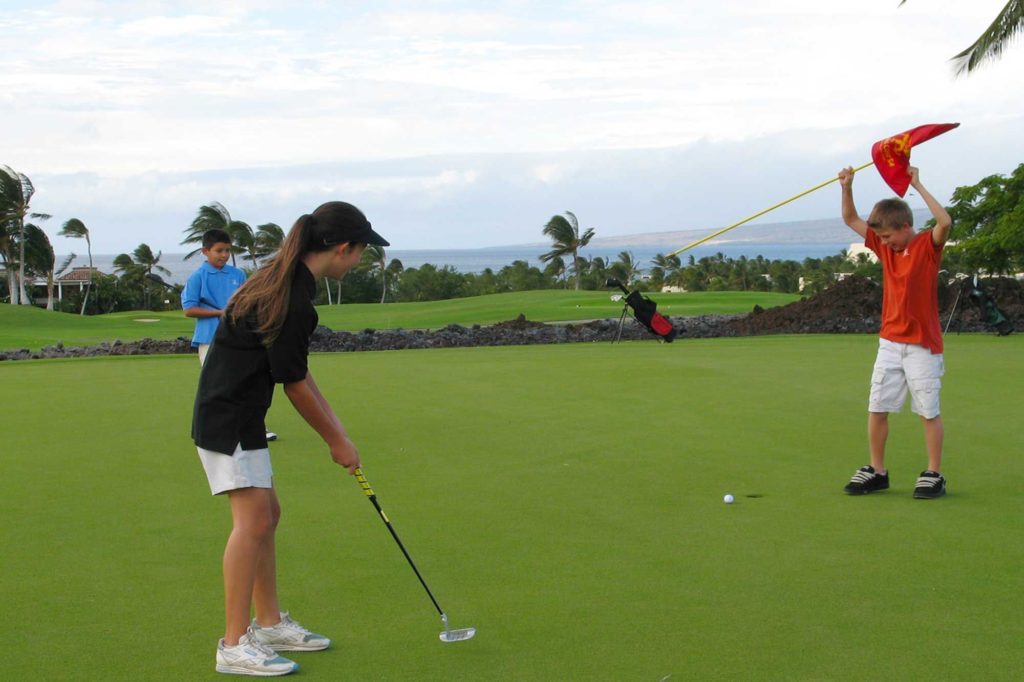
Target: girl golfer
{"type": "Point", "coordinates": [264, 340]}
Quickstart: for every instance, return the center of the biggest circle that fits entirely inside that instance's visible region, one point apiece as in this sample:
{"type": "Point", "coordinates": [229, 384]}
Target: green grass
{"type": "Point", "coordinates": [541, 306]}
{"type": "Point", "coordinates": [33, 328]}
{"type": "Point", "coordinates": [565, 500]}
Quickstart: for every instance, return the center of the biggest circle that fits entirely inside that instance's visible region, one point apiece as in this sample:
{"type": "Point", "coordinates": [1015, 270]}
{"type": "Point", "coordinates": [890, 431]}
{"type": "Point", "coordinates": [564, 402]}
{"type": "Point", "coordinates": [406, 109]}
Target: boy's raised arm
{"type": "Point", "coordinates": [850, 215]}
{"type": "Point", "coordinates": [943, 223]}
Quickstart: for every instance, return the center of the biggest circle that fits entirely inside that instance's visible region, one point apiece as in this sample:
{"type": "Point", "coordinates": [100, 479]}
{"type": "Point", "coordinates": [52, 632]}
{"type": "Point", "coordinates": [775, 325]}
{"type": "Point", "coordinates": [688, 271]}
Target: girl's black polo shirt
{"type": "Point", "coordinates": [236, 385]}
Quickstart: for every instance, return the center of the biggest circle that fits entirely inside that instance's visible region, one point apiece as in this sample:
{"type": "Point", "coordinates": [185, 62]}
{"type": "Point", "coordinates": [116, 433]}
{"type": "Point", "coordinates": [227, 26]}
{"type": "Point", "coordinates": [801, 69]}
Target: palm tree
{"type": "Point", "coordinates": [268, 239]}
{"type": "Point", "coordinates": [40, 259]}
{"type": "Point", "coordinates": [148, 261]}
{"type": "Point", "coordinates": [139, 268]}
{"type": "Point", "coordinates": [555, 270]}
{"type": "Point", "coordinates": [664, 269]}
{"type": "Point", "coordinates": [375, 258]}
{"type": "Point", "coordinates": [991, 43]}
{"type": "Point", "coordinates": [215, 216]}
{"type": "Point", "coordinates": [626, 267]}
{"type": "Point", "coordinates": [16, 192]}
{"type": "Point", "coordinates": [243, 241]}
{"type": "Point", "coordinates": [76, 229]}
{"type": "Point", "coordinates": [566, 238]}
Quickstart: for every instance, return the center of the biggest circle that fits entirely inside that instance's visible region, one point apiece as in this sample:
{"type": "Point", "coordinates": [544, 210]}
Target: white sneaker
{"type": "Point", "coordinates": [289, 636]}
{"type": "Point", "coordinates": [249, 657]}
{"type": "Point", "coordinates": [271, 436]}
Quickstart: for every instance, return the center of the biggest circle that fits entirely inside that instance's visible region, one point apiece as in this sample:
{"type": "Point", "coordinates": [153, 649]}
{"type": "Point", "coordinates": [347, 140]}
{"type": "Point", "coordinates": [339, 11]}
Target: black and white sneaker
{"type": "Point", "coordinates": [930, 484]}
{"type": "Point", "coordinates": [866, 480]}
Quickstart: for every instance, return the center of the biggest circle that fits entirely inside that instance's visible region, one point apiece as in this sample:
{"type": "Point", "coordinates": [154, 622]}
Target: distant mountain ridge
{"type": "Point", "coordinates": [821, 231]}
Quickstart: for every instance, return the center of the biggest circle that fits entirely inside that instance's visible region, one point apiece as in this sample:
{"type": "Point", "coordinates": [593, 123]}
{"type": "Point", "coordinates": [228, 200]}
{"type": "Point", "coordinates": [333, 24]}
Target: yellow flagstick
{"type": "Point", "coordinates": [761, 213]}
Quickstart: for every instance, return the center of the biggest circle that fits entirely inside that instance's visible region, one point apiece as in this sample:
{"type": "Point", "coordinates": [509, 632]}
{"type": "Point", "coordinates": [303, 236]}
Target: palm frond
{"type": "Point", "coordinates": [572, 220]}
{"type": "Point", "coordinates": [556, 252]}
{"type": "Point", "coordinates": [74, 228]}
{"type": "Point", "coordinates": [585, 238]}
{"type": "Point", "coordinates": [27, 190]}
{"type": "Point", "coordinates": [268, 239]}
{"type": "Point", "coordinates": [123, 262]}
{"type": "Point", "coordinates": [64, 264]}
{"type": "Point", "coordinates": [560, 230]}
{"type": "Point", "coordinates": [991, 43]}
{"type": "Point", "coordinates": [144, 255]}
{"type": "Point", "coordinates": [39, 256]}
{"type": "Point", "coordinates": [212, 216]}
{"type": "Point", "coordinates": [13, 201]}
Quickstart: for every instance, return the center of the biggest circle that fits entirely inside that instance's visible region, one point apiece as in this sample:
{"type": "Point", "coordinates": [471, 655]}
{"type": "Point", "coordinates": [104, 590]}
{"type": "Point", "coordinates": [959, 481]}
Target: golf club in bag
{"type": "Point", "coordinates": [448, 635]}
{"type": "Point", "coordinates": [990, 312]}
{"type": "Point", "coordinates": [645, 311]}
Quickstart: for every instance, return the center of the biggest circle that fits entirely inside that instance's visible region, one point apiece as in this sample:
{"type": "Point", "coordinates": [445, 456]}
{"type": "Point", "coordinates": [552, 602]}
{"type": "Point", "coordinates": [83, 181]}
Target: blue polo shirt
{"type": "Point", "coordinates": [210, 288]}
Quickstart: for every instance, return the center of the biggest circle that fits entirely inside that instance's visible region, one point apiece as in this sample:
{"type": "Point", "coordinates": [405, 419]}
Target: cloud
{"type": "Point", "coordinates": [476, 200]}
{"type": "Point", "coordinates": [460, 121]}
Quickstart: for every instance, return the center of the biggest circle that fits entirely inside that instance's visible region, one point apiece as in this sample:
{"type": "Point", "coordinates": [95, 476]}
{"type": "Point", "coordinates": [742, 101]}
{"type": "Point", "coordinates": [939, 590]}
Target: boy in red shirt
{"type": "Point", "coordinates": [910, 344]}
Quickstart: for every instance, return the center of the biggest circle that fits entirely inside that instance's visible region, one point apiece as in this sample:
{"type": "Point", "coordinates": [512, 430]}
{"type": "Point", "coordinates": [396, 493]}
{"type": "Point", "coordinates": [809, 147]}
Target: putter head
{"type": "Point", "coordinates": [457, 635]}
{"type": "Point", "coordinates": [450, 635]}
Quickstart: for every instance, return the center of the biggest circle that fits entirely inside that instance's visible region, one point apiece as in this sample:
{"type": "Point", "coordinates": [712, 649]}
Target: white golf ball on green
{"type": "Point", "coordinates": [728, 499]}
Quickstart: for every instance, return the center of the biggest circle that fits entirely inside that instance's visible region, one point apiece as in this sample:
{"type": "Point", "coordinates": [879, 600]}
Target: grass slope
{"type": "Point", "coordinates": [33, 328]}
{"type": "Point", "coordinates": [565, 500]}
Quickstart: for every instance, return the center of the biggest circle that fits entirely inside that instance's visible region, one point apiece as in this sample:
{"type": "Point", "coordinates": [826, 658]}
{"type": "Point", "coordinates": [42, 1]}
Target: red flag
{"type": "Point", "coordinates": [892, 155]}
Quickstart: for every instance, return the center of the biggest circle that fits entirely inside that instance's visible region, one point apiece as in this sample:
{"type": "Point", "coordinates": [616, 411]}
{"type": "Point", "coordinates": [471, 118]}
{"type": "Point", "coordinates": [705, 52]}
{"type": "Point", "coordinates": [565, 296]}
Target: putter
{"type": "Point", "coordinates": [448, 635]}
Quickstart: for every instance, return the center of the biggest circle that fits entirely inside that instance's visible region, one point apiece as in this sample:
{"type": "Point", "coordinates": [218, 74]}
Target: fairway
{"type": "Point", "coordinates": [34, 328]}
{"type": "Point", "coordinates": [564, 500]}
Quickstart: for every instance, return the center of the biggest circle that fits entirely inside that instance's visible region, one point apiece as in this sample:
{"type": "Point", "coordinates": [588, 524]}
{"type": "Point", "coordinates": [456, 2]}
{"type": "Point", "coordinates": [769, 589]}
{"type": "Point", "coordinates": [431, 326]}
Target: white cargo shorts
{"type": "Point", "coordinates": [901, 368]}
{"type": "Point", "coordinates": [243, 469]}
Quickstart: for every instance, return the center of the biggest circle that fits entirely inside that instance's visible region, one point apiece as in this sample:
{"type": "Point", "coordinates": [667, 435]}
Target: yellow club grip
{"type": "Point", "coordinates": [363, 483]}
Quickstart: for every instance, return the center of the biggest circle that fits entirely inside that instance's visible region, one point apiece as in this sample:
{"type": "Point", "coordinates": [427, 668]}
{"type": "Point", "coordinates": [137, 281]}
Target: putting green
{"type": "Point", "coordinates": [565, 500]}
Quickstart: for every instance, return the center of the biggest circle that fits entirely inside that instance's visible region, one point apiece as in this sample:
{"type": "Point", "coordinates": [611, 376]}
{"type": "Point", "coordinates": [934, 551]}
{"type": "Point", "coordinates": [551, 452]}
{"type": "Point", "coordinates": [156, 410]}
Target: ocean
{"type": "Point", "coordinates": [495, 258]}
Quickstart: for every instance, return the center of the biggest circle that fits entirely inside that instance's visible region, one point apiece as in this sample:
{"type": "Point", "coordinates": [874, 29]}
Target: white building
{"type": "Point", "coordinates": [857, 248]}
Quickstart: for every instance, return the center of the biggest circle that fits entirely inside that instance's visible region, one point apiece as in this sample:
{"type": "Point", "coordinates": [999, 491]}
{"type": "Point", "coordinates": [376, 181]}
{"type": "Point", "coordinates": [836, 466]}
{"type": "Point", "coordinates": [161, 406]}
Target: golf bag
{"type": "Point", "coordinates": [646, 312]}
{"type": "Point", "coordinates": [990, 312]}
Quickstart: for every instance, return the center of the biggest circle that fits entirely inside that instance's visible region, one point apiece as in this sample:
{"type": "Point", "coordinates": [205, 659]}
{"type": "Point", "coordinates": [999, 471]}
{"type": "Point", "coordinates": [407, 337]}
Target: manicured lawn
{"type": "Point", "coordinates": [33, 328]}
{"type": "Point", "coordinates": [565, 500]}
{"type": "Point", "coordinates": [541, 306]}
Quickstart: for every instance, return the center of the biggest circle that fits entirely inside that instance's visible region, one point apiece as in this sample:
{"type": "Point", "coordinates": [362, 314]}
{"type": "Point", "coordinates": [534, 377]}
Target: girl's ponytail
{"type": "Point", "coordinates": [269, 289]}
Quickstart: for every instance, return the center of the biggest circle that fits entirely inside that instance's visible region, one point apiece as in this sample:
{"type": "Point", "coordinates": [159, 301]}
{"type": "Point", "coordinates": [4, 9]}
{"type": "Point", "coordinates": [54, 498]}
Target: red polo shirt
{"type": "Point", "coordinates": [910, 297]}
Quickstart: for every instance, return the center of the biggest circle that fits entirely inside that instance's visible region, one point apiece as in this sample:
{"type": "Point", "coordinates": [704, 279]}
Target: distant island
{"type": "Point", "coordinates": [821, 231]}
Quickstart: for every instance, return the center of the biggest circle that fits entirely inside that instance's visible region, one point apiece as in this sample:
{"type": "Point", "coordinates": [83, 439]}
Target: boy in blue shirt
{"type": "Point", "coordinates": [208, 289]}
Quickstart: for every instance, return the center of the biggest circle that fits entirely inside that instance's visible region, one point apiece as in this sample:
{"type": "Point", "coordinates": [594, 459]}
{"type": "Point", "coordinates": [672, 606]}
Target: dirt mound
{"type": "Point", "coordinates": [520, 323]}
{"type": "Point", "coordinates": [854, 305]}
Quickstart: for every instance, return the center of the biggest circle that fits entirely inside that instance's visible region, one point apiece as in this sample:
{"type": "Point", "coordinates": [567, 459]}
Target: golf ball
{"type": "Point", "coordinates": [728, 499]}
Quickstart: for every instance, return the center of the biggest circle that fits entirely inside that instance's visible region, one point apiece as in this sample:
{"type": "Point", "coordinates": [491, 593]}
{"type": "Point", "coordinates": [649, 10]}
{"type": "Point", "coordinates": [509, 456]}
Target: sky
{"type": "Point", "coordinates": [466, 124]}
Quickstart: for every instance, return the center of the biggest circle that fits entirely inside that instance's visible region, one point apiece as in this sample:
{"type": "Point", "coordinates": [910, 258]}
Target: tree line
{"type": "Point", "coordinates": [987, 236]}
